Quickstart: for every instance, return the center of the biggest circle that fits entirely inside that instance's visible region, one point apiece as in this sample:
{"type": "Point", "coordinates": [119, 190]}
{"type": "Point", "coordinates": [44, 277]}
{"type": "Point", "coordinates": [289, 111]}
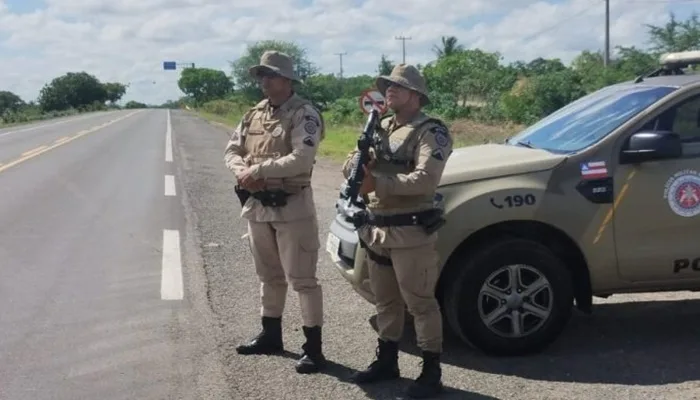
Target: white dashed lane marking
{"type": "Point", "coordinates": [169, 185]}
{"type": "Point", "coordinates": [171, 286]}
{"type": "Point", "coordinates": [169, 141]}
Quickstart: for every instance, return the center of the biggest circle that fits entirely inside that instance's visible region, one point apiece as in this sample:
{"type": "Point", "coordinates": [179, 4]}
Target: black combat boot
{"type": "Point", "coordinates": [385, 367]}
{"type": "Point", "coordinates": [428, 383]}
{"type": "Point", "coordinates": [269, 341]}
{"type": "Point", "coordinates": [312, 359]}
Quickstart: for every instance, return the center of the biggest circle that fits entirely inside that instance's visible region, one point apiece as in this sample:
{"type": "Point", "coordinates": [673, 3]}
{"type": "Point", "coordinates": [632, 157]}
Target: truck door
{"type": "Point", "coordinates": [657, 205]}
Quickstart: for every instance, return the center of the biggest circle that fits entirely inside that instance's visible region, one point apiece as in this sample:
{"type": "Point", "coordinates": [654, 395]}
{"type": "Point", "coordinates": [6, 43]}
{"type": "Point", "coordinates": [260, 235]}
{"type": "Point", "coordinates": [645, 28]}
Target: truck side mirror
{"type": "Point", "coordinates": [651, 146]}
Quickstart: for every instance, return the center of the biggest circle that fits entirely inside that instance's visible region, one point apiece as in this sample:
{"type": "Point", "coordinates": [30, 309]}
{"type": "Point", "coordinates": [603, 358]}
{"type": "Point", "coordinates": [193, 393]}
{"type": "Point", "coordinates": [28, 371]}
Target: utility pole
{"type": "Point", "coordinates": [606, 61]}
{"type": "Point", "coordinates": [403, 39]}
{"type": "Point", "coordinates": [341, 63]}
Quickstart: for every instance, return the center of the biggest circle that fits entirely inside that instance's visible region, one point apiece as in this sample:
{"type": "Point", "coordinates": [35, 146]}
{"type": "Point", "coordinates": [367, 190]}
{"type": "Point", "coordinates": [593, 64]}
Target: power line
{"type": "Point", "coordinates": [561, 22]}
{"type": "Point", "coordinates": [341, 63]}
{"type": "Point", "coordinates": [403, 39]}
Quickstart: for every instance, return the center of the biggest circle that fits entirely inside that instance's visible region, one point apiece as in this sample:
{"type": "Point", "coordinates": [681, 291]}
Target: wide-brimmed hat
{"type": "Point", "coordinates": [407, 76]}
{"type": "Point", "coordinates": [278, 62]}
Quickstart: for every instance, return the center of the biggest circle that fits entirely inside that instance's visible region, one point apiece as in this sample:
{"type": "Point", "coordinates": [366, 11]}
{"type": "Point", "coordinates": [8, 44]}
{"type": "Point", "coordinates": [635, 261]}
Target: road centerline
{"type": "Point", "coordinates": [43, 149]}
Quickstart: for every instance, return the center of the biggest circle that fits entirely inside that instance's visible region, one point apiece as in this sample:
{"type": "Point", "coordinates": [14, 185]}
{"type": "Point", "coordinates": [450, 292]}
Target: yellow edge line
{"type": "Point", "coordinates": [41, 150]}
{"type": "Point", "coordinates": [616, 203]}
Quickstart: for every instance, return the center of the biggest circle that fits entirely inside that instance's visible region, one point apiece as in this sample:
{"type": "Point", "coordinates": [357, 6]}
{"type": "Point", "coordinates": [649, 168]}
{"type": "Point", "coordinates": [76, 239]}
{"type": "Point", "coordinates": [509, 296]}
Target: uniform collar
{"type": "Point", "coordinates": [284, 106]}
{"type": "Point", "coordinates": [417, 119]}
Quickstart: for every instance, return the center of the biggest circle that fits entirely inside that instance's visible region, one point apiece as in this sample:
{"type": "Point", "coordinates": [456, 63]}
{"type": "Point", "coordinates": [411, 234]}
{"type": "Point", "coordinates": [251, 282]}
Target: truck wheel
{"type": "Point", "coordinates": [513, 297]}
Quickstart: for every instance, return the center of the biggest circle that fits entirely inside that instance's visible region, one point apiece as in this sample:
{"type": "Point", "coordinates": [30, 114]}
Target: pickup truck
{"type": "Point", "coordinates": [601, 197]}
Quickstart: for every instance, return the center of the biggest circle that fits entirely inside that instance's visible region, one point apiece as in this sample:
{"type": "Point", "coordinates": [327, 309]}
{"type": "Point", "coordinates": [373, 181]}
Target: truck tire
{"type": "Point", "coordinates": [482, 289]}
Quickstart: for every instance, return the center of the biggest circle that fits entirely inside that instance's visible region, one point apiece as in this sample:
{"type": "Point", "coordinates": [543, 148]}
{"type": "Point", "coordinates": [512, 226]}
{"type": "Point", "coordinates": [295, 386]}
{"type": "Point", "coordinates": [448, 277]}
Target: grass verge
{"type": "Point", "coordinates": [341, 139]}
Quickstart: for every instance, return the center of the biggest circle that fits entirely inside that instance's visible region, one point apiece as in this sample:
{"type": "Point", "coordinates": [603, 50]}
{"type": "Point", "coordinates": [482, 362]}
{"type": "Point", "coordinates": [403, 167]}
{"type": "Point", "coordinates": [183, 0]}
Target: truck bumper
{"type": "Point", "coordinates": [348, 258]}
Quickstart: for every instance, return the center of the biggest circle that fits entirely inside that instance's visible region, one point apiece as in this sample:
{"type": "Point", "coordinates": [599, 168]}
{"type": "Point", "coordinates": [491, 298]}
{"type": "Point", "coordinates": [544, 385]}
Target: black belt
{"type": "Point", "coordinates": [417, 218]}
{"type": "Point", "coordinates": [272, 198]}
{"type": "Point", "coordinates": [427, 218]}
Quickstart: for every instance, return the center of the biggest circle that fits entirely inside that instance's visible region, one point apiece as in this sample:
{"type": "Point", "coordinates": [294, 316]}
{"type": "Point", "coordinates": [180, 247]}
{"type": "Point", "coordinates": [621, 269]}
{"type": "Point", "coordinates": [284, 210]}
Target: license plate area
{"type": "Point", "coordinates": [332, 246]}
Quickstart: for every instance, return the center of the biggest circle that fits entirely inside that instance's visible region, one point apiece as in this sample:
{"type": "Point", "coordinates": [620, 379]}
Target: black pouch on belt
{"type": "Point", "coordinates": [272, 198]}
{"type": "Point", "coordinates": [242, 194]}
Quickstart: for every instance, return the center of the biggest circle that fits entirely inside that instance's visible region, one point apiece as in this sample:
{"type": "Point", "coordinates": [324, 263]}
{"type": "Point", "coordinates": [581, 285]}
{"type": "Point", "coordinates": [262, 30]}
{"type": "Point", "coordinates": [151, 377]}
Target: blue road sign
{"type": "Point", "coordinates": [169, 65]}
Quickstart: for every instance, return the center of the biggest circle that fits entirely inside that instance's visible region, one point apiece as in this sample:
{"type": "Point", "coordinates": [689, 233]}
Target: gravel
{"type": "Point", "coordinates": [633, 346]}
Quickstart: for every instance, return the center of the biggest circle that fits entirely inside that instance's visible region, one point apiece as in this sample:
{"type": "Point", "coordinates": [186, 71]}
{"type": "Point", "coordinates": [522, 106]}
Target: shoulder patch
{"type": "Point", "coordinates": [309, 141]}
{"type": "Point", "coordinates": [441, 135]}
{"type": "Point", "coordinates": [261, 104]}
{"type": "Point", "coordinates": [438, 154]}
{"type": "Point", "coordinates": [312, 118]}
{"type": "Point", "coordinates": [310, 127]}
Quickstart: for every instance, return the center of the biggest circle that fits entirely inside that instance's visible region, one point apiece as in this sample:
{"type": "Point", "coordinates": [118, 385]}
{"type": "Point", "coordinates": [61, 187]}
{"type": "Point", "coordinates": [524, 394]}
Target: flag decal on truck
{"type": "Point", "coordinates": [594, 170]}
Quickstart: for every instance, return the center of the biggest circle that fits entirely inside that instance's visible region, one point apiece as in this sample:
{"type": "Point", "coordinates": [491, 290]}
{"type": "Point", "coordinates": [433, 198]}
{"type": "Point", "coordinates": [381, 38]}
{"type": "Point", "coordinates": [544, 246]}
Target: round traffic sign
{"type": "Point", "coordinates": [371, 99]}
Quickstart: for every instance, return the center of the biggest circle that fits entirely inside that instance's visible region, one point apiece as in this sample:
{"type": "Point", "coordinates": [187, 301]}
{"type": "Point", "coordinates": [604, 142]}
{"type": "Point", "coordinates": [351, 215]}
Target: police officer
{"type": "Point", "coordinates": [400, 187]}
{"type": "Point", "coordinates": [272, 152]}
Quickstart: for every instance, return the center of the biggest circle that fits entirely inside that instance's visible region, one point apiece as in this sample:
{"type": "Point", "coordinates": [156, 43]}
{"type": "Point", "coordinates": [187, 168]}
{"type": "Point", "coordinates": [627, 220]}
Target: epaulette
{"type": "Point", "coordinates": [261, 104]}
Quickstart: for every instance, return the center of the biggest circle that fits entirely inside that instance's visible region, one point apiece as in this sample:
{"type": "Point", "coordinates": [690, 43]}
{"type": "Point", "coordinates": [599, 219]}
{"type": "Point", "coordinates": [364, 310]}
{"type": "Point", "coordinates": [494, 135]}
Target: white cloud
{"type": "Point", "coordinates": [128, 40]}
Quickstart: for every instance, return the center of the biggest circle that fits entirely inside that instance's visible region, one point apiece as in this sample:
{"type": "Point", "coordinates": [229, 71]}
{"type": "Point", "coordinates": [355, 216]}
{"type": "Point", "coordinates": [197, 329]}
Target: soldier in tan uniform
{"type": "Point", "coordinates": [400, 187]}
{"type": "Point", "coordinates": [272, 153]}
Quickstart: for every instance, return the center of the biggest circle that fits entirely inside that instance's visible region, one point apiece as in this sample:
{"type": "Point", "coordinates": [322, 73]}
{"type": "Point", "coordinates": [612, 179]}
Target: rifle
{"type": "Point", "coordinates": [351, 203]}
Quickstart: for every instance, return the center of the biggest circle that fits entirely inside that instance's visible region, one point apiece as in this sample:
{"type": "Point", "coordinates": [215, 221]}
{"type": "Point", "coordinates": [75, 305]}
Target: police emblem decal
{"type": "Point", "coordinates": [682, 191]}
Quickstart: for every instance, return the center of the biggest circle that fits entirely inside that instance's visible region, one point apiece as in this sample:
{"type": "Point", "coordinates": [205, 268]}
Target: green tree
{"type": "Point", "coordinates": [385, 66]}
{"type": "Point", "coordinates": [115, 91]}
{"type": "Point", "coordinates": [469, 75]}
{"type": "Point", "coordinates": [10, 102]}
{"type": "Point", "coordinates": [448, 47]}
{"type": "Point", "coordinates": [135, 104]}
{"type": "Point", "coordinates": [675, 35]}
{"type": "Point", "coordinates": [73, 90]}
{"type": "Point", "coordinates": [204, 84]}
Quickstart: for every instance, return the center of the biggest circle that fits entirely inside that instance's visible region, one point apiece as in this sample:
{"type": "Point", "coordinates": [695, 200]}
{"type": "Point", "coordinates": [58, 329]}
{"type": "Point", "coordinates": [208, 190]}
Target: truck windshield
{"type": "Point", "coordinates": [590, 118]}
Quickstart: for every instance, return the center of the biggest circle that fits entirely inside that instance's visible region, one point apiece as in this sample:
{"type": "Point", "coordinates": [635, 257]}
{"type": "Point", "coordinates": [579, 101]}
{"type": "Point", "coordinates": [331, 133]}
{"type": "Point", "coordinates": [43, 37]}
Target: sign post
{"type": "Point", "coordinates": [371, 99]}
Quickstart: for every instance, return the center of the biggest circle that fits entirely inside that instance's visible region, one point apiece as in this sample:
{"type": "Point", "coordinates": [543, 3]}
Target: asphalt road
{"type": "Point", "coordinates": [92, 303]}
{"type": "Point", "coordinates": [124, 276]}
{"type": "Point", "coordinates": [633, 347]}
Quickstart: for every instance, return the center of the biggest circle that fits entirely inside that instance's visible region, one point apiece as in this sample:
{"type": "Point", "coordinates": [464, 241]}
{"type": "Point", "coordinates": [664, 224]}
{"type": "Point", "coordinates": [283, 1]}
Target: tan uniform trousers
{"type": "Point", "coordinates": [409, 282]}
{"type": "Point", "coordinates": [288, 252]}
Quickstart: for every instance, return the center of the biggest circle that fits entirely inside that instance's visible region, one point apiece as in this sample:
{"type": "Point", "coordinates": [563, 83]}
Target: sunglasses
{"type": "Point", "coordinates": [267, 73]}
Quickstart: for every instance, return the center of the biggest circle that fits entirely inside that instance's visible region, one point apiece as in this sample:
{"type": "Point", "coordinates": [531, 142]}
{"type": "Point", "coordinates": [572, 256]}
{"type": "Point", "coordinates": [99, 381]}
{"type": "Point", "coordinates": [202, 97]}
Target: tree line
{"type": "Point", "coordinates": [463, 82]}
{"type": "Point", "coordinates": [68, 94]}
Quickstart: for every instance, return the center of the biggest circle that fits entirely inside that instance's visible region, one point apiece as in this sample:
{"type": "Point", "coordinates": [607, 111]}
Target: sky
{"type": "Point", "coordinates": [128, 40]}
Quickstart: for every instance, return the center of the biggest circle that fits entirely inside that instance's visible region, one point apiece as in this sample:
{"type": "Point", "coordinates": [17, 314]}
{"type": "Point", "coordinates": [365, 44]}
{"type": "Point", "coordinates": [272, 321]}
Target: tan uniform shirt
{"type": "Point", "coordinates": [280, 145]}
{"type": "Point", "coordinates": [406, 188]}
